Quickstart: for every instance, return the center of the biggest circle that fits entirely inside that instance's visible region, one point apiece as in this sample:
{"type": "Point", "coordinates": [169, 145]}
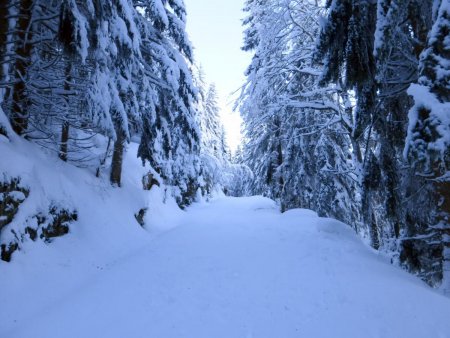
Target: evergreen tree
{"type": "Point", "coordinates": [22, 50]}
{"type": "Point", "coordinates": [293, 127]}
{"type": "Point", "coordinates": [428, 142]}
{"type": "Point", "coordinates": [170, 138]}
{"type": "Point", "coordinates": [4, 29]}
{"type": "Point", "coordinates": [119, 69]}
{"type": "Point", "coordinates": [214, 148]}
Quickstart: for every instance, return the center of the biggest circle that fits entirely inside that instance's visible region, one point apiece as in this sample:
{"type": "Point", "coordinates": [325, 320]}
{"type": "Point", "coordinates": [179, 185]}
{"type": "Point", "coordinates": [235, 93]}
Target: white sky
{"type": "Point", "coordinates": [214, 27]}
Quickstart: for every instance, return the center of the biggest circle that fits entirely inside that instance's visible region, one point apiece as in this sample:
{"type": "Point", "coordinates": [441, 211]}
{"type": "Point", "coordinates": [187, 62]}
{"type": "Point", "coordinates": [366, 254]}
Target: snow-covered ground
{"type": "Point", "coordinates": [232, 267]}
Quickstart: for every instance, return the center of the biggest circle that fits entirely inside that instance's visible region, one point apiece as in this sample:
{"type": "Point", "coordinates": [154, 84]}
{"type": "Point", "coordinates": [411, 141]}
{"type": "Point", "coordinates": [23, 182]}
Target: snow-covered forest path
{"type": "Point", "coordinates": [236, 267]}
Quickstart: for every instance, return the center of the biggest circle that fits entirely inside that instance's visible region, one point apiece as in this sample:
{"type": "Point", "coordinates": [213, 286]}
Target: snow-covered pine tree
{"type": "Point", "coordinates": [5, 127]}
{"type": "Point", "coordinates": [345, 47]}
{"type": "Point", "coordinates": [116, 53]}
{"type": "Point", "coordinates": [428, 142]}
{"type": "Point", "coordinates": [402, 28]}
{"type": "Point", "coordinates": [262, 126]}
{"type": "Point", "coordinates": [389, 188]}
{"type": "Point", "coordinates": [58, 79]}
{"type": "Point", "coordinates": [115, 68]}
{"type": "Point", "coordinates": [212, 131]}
{"type": "Point", "coordinates": [296, 144]}
{"type": "Point", "coordinates": [22, 60]}
{"type": "Point", "coordinates": [52, 75]}
{"type": "Point", "coordinates": [4, 28]}
{"type": "Point", "coordinates": [214, 148]}
{"type": "Point", "coordinates": [170, 137]}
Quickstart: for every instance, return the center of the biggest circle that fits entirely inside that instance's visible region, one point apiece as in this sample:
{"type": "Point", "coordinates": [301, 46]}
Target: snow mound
{"type": "Point", "coordinates": [300, 213]}
{"type": "Point", "coordinates": [106, 222]}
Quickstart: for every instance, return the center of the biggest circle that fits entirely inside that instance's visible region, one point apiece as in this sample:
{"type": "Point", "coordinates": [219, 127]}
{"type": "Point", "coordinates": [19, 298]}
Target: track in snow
{"type": "Point", "coordinates": [236, 267]}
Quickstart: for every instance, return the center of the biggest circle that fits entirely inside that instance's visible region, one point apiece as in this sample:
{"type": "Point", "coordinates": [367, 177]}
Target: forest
{"type": "Point", "coordinates": [346, 112]}
{"type": "Point", "coordinates": [345, 108]}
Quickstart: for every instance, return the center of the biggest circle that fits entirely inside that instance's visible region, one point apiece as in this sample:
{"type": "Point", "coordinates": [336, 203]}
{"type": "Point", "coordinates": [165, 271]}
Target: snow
{"type": "Point", "coordinates": [5, 127]}
{"type": "Point", "coordinates": [81, 32]}
{"type": "Point", "coordinates": [234, 267]}
{"type": "Point", "coordinates": [17, 195]}
{"type": "Point", "coordinates": [439, 117]}
{"type": "Point", "coordinates": [227, 267]}
{"type": "Point", "coordinates": [159, 12]}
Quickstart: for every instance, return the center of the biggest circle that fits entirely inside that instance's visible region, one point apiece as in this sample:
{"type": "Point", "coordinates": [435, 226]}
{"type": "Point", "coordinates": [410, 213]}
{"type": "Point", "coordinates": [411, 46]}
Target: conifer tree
{"type": "Point", "coordinates": [428, 142]}
{"type": "Point", "coordinates": [293, 127]}
{"type": "Point", "coordinates": [23, 50]}
{"type": "Point", "coordinates": [119, 69]}
{"type": "Point", "coordinates": [170, 138]}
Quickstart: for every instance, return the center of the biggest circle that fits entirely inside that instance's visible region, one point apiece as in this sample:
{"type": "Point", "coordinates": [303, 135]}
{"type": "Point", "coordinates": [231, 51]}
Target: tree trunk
{"type": "Point", "coordinates": [65, 125]}
{"type": "Point", "coordinates": [117, 159]}
{"type": "Point", "coordinates": [64, 141]}
{"type": "Point", "coordinates": [443, 190]}
{"type": "Point", "coordinates": [374, 234]}
{"type": "Point", "coordinates": [3, 36]}
{"type": "Point", "coordinates": [21, 102]}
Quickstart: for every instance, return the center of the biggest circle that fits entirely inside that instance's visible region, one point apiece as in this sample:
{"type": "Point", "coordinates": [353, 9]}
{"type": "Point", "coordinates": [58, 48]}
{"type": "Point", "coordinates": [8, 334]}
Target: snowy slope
{"type": "Point", "coordinates": [234, 267]}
